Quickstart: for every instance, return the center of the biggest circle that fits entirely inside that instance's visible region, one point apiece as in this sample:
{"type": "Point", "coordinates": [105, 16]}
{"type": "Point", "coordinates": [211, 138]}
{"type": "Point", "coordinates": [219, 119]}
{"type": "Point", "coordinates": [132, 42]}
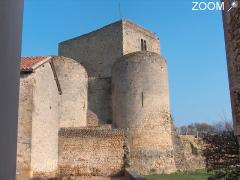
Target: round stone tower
{"type": "Point", "coordinates": [140, 103]}
{"type": "Point", "coordinates": [73, 81]}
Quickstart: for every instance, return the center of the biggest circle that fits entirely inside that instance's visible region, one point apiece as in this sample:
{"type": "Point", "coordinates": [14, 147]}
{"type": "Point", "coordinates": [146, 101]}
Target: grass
{"type": "Point", "coordinates": [197, 175]}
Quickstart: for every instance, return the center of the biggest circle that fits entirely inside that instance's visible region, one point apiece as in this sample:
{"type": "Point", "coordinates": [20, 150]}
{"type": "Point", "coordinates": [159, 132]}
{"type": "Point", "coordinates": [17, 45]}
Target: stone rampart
{"type": "Point", "coordinates": [91, 152]}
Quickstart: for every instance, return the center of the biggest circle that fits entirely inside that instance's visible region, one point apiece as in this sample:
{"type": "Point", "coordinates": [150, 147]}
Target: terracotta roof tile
{"type": "Point", "coordinates": [28, 63]}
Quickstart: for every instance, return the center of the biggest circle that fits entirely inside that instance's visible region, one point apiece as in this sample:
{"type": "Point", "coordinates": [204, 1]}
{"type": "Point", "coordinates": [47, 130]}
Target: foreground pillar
{"type": "Point", "coordinates": [231, 21]}
{"type": "Point", "coordinates": [10, 49]}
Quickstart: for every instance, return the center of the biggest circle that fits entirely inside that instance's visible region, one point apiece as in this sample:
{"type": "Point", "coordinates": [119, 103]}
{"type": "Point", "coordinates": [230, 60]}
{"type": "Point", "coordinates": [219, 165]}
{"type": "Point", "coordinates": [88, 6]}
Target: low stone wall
{"type": "Point", "coordinates": [91, 152]}
{"type": "Point", "coordinates": [188, 153]}
{"type": "Point", "coordinates": [193, 150]}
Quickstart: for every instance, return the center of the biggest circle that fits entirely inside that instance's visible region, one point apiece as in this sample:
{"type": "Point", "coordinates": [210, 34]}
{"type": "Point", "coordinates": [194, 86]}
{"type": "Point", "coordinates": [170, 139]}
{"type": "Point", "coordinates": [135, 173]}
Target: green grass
{"type": "Point", "coordinates": [197, 175]}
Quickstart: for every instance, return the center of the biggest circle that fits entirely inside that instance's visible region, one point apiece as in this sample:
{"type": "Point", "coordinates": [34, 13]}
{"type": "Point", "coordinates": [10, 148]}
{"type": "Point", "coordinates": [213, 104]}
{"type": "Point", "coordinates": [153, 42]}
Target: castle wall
{"type": "Point", "coordinates": [140, 102]}
{"type": "Point", "coordinates": [24, 126]}
{"type": "Point", "coordinates": [231, 21]}
{"type": "Point", "coordinates": [97, 152]}
{"type": "Point", "coordinates": [132, 35]}
{"type": "Point", "coordinates": [96, 51]}
{"type": "Point", "coordinates": [92, 120]}
{"type": "Point", "coordinates": [45, 123]}
{"type": "Point", "coordinates": [190, 161]}
{"type": "Point", "coordinates": [100, 98]}
{"type": "Point", "coordinates": [73, 103]}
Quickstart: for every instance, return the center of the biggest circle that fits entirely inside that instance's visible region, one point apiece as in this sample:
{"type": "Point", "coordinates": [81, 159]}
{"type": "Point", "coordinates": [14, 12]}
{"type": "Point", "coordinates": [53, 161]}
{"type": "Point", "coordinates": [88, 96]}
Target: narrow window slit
{"type": "Point", "coordinates": [143, 45]}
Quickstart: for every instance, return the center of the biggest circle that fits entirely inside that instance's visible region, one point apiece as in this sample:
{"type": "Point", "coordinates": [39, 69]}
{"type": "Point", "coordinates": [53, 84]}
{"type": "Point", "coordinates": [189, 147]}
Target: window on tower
{"type": "Point", "coordinates": [143, 45]}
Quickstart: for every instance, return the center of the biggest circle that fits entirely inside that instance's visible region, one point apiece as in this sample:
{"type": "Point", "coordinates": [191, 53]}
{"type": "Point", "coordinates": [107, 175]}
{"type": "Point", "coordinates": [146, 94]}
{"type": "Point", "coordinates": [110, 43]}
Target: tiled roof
{"type": "Point", "coordinates": [30, 63]}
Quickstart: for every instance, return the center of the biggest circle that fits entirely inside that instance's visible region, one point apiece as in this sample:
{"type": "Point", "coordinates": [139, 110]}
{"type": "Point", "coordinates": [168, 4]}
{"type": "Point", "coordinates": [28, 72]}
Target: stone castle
{"type": "Point", "coordinates": [98, 108]}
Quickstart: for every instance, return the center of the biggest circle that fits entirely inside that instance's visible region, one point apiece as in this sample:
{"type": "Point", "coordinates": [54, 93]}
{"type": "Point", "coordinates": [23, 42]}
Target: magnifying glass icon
{"type": "Point", "coordinates": [234, 4]}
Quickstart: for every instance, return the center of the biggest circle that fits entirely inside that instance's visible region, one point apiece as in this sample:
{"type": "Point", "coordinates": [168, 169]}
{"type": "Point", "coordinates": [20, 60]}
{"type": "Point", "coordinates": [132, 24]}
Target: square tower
{"type": "Point", "coordinates": [97, 51]}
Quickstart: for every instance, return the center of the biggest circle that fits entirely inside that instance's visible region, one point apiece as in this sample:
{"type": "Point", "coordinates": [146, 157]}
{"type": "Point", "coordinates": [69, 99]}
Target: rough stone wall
{"type": "Point", "coordinates": [151, 148]}
{"type": "Point", "coordinates": [74, 86]}
{"type": "Point", "coordinates": [100, 98]}
{"type": "Point", "coordinates": [100, 49]}
{"type": "Point", "coordinates": [45, 123]}
{"type": "Point", "coordinates": [141, 106]}
{"type": "Point", "coordinates": [37, 153]}
{"type": "Point", "coordinates": [93, 120]}
{"type": "Point", "coordinates": [231, 22]}
{"type": "Point", "coordinates": [139, 88]}
{"type": "Point", "coordinates": [187, 158]}
{"type": "Point", "coordinates": [132, 35]}
{"type": "Point", "coordinates": [24, 126]}
{"type": "Point", "coordinates": [91, 152]}
{"type": "Point", "coordinates": [97, 51]}
{"type": "Point", "coordinates": [193, 160]}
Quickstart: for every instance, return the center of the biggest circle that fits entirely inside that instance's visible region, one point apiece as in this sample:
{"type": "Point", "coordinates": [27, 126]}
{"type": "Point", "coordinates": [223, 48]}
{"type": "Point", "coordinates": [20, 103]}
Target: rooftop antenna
{"type": "Point", "coordinates": [119, 9]}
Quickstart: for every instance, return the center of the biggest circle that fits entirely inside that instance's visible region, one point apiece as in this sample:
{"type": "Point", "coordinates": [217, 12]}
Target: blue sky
{"type": "Point", "coordinates": [191, 41]}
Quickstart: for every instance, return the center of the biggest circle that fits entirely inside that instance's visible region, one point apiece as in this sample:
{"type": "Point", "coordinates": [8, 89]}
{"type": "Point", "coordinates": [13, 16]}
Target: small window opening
{"type": "Point", "coordinates": [143, 45]}
{"type": "Point", "coordinates": [142, 99]}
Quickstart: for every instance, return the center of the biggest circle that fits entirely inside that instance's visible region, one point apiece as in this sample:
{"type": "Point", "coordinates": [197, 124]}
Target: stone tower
{"type": "Point", "coordinates": [140, 100]}
{"type": "Point", "coordinates": [99, 50]}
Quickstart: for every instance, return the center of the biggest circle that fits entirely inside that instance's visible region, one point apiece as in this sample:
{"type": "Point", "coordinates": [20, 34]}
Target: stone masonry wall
{"type": "Point", "coordinates": [92, 120]}
{"type": "Point", "coordinates": [188, 152]}
{"type": "Point", "coordinates": [100, 98]}
{"type": "Point", "coordinates": [231, 22]}
{"type": "Point", "coordinates": [45, 123]}
{"type": "Point", "coordinates": [73, 82]}
{"type": "Point", "coordinates": [151, 148]}
{"type": "Point", "coordinates": [97, 51]}
{"type": "Point", "coordinates": [25, 126]}
{"type": "Point", "coordinates": [132, 35]}
{"type": "Point", "coordinates": [91, 152]}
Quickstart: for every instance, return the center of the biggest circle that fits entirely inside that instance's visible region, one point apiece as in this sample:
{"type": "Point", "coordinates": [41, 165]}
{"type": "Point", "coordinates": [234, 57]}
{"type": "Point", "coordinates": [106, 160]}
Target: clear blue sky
{"type": "Point", "coordinates": [192, 42]}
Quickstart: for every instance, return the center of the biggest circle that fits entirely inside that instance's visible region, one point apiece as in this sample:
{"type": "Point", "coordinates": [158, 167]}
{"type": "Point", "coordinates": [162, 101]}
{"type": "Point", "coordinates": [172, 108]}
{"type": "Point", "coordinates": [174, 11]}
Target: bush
{"type": "Point", "coordinates": [222, 156]}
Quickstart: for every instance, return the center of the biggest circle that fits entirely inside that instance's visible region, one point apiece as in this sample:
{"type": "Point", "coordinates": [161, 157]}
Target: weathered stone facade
{"type": "Point", "coordinates": [132, 36]}
{"type": "Point", "coordinates": [45, 103]}
{"type": "Point", "coordinates": [73, 82]}
{"type": "Point", "coordinates": [38, 123]}
{"type": "Point", "coordinates": [45, 122]}
{"type": "Point", "coordinates": [231, 21]}
{"type": "Point", "coordinates": [25, 126]}
{"type": "Point", "coordinates": [91, 152]}
{"type": "Point", "coordinates": [99, 90]}
{"type": "Point", "coordinates": [185, 158]}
